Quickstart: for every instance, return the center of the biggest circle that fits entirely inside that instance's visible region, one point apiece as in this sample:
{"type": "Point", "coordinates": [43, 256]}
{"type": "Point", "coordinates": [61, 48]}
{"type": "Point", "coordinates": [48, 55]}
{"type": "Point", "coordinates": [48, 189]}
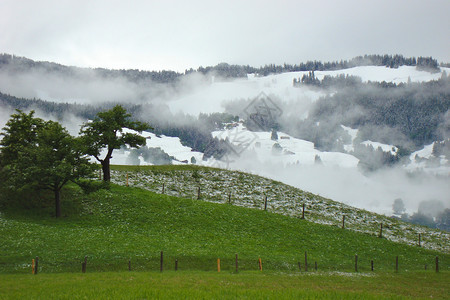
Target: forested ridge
{"type": "Point", "coordinates": [223, 70]}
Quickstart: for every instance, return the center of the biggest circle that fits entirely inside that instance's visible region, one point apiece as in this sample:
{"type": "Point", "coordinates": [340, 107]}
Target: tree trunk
{"type": "Point", "coordinates": [58, 203]}
{"type": "Point", "coordinates": [106, 170]}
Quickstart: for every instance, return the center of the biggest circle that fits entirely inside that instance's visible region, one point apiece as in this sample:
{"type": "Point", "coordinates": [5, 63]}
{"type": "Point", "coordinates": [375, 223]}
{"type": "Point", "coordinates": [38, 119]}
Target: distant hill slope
{"type": "Point", "coordinates": [247, 190]}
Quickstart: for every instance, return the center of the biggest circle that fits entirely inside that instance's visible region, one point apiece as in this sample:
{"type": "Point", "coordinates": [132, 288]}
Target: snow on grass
{"type": "Point", "coordinates": [247, 190]}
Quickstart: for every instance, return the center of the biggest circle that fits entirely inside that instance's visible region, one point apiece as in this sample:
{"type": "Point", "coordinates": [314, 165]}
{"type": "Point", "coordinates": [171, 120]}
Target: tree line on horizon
{"type": "Point", "coordinates": [225, 70]}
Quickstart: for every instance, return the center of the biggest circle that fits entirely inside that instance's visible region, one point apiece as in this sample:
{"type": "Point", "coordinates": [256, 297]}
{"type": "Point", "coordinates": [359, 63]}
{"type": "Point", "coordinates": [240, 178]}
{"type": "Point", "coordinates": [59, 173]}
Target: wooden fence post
{"type": "Point", "coordinates": [437, 264]}
{"type": "Point", "coordinates": [198, 193]}
{"type": "Point", "coordinates": [218, 265]}
{"type": "Point", "coordinates": [127, 178]}
{"type": "Point", "coordinates": [303, 211]}
{"type": "Point", "coordinates": [161, 262]}
{"type": "Point", "coordinates": [163, 188]}
{"type": "Point", "coordinates": [236, 263]}
{"type": "Point", "coordinates": [315, 265]}
{"type": "Point", "coordinates": [299, 266]}
{"type": "Point", "coordinates": [419, 239]}
{"type": "Point", "coordinates": [176, 264]}
{"type": "Point", "coordinates": [36, 265]}
{"type": "Point", "coordinates": [306, 261]}
{"type": "Point", "coordinates": [260, 264]}
{"type": "Point", "coordinates": [32, 266]}
{"type": "Point", "coordinates": [229, 197]}
{"type": "Point", "coordinates": [396, 264]}
{"type": "Point", "coordinates": [84, 265]}
{"type": "Point", "coordinates": [343, 221]}
{"type": "Point", "coordinates": [381, 230]}
{"type": "Point", "coordinates": [129, 265]}
{"type": "Point", "coordinates": [371, 265]}
{"type": "Point", "coordinates": [265, 202]}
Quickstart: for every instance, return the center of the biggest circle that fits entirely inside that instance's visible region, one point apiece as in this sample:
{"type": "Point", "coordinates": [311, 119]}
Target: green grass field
{"type": "Point", "coordinates": [122, 224]}
{"type": "Point", "coordinates": [224, 285]}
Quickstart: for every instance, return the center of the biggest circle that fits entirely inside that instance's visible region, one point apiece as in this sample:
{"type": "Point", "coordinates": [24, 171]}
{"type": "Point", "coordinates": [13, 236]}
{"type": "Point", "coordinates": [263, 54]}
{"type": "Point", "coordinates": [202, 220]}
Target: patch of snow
{"type": "Point", "coordinates": [171, 145]}
{"type": "Point", "coordinates": [259, 147]}
{"type": "Point", "coordinates": [353, 134]}
{"type": "Point", "coordinates": [423, 160]}
{"type": "Point", "coordinates": [426, 152]}
{"type": "Point", "coordinates": [386, 148]}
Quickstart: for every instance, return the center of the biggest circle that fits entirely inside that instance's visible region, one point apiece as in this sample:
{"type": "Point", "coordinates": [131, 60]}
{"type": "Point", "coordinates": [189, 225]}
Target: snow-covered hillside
{"type": "Point", "coordinates": [211, 97]}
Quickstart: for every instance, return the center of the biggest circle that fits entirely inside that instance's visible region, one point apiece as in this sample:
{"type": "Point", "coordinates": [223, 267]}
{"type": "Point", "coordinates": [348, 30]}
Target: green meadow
{"type": "Point", "coordinates": [121, 225]}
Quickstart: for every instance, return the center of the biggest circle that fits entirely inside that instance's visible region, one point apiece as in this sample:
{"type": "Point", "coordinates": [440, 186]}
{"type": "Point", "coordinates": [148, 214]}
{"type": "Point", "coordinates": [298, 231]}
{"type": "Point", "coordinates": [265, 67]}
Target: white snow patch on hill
{"type": "Point", "coordinates": [171, 145]}
{"type": "Point", "coordinates": [261, 148]}
{"type": "Point", "coordinates": [381, 73]}
{"type": "Point", "coordinates": [353, 133]}
{"type": "Point", "coordinates": [386, 148]}
{"type": "Point", "coordinates": [424, 153]}
{"type": "Point", "coordinates": [423, 160]}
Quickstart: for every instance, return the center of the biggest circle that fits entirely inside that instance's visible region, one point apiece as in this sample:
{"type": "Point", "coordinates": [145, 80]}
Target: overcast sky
{"type": "Point", "coordinates": [155, 35]}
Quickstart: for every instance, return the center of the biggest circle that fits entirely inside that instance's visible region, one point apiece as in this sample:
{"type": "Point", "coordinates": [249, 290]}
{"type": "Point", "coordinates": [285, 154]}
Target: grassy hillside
{"type": "Point", "coordinates": [247, 190]}
{"type": "Point", "coordinates": [113, 226]}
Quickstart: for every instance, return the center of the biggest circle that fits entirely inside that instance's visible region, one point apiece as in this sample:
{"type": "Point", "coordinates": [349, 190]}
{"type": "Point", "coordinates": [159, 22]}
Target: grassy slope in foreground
{"type": "Point", "coordinates": [112, 226]}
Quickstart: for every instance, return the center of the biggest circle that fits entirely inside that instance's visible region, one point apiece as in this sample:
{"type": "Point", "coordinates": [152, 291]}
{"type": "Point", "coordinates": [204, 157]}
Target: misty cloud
{"type": "Point", "coordinates": [84, 87]}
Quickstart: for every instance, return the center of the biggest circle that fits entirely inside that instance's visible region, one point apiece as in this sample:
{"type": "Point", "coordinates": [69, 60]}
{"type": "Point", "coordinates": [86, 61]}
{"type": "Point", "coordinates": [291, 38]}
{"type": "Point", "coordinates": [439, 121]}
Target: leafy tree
{"type": "Point", "coordinates": [41, 155]}
{"type": "Point", "coordinates": [105, 132]}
